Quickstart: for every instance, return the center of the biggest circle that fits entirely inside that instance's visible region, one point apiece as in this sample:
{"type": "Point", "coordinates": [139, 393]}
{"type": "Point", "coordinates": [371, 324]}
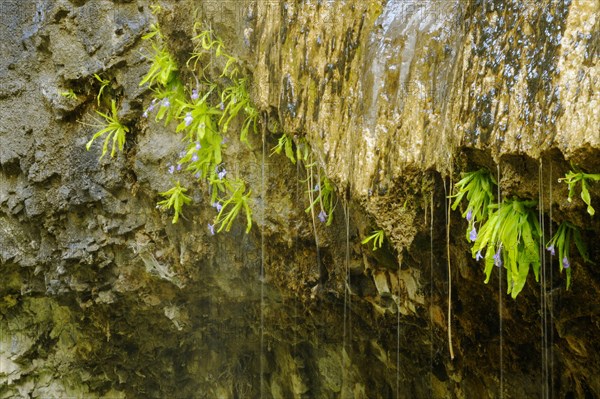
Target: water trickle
{"type": "Point", "coordinates": [431, 338]}
{"type": "Point", "coordinates": [262, 260]}
{"type": "Point", "coordinates": [550, 293]}
{"type": "Point", "coordinates": [500, 298]}
{"type": "Point", "coordinates": [398, 335]}
{"type": "Point", "coordinates": [447, 204]}
{"type": "Point", "coordinates": [543, 303]}
{"type": "Point", "coordinates": [347, 293]}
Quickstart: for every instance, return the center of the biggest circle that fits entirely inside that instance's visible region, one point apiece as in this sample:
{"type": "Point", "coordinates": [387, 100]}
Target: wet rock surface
{"type": "Point", "coordinates": [101, 296]}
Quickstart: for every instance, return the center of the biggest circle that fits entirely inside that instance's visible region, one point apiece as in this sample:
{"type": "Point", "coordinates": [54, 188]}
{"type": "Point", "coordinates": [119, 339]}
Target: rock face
{"type": "Point", "coordinates": [101, 296]}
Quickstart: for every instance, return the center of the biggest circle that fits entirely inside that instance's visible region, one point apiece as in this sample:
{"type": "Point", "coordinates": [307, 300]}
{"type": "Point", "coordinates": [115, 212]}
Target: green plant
{"type": "Point", "coordinates": [198, 119]}
{"type": "Point", "coordinates": [206, 43]}
{"type": "Point", "coordinates": [202, 123]}
{"type": "Point", "coordinates": [234, 99]}
{"type": "Point", "coordinates": [478, 188]}
{"type": "Point", "coordinates": [510, 237]}
{"type": "Point", "coordinates": [176, 198]}
{"type": "Point", "coordinates": [70, 94]}
{"type": "Point", "coordinates": [163, 68]}
{"type": "Point", "coordinates": [377, 238]}
{"type": "Point", "coordinates": [572, 177]}
{"type": "Point", "coordinates": [113, 129]}
{"type": "Point", "coordinates": [232, 206]}
{"type": "Point", "coordinates": [561, 241]}
{"type": "Point", "coordinates": [285, 143]}
{"type": "Point", "coordinates": [325, 197]}
{"type": "Point", "coordinates": [104, 83]}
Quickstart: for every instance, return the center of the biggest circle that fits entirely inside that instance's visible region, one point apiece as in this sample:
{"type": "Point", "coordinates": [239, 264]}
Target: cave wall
{"type": "Point", "coordinates": [102, 296]}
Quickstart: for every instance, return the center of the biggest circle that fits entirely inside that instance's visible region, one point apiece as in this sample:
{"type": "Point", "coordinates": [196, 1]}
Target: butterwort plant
{"type": "Point", "coordinates": [229, 208]}
{"type": "Point", "coordinates": [325, 199]}
{"type": "Point", "coordinates": [510, 238]}
{"type": "Point", "coordinates": [577, 176]}
{"type": "Point", "coordinates": [478, 188]}
{"type": "Point", "coordinates": [163, 66]}
{"type": "Point", "coordinates": [114, 130]}
{"type": "Point", "coordinates": [175, 199]}
{"type": "Point", "coordinates": [566, 235]}
{"type": "Point", "coordinates": [376, 237]}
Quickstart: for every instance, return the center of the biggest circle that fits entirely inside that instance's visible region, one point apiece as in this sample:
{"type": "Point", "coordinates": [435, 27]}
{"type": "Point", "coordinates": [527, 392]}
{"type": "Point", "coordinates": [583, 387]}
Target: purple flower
{"type": "Point", "coordinates": [217, 206]}
{"type": "Point", "coordinates": [194, 157]}
{"type": "Point", "coordinates": [478, 255]}
{"type": "Point", "coordinates": [182, 154]}
{"type": "Point", "coordinates": [322, 216]}
{"type": "Point", "coordinates": [221, 174]}
{"type": "Point", "coordinates": [317, 187]}
{"type": "Point", "coordinates": [197, 175]}
{"type": "Point", "coordinates": [195, 94]}
{"type": "Point", "coordinates": [171, 169]}
{"type": "Point", "coordinates": [178, 166]}
{"type": "Point", "coordinates": [224, 140]}
{"type": "Point", "coordinates": [211, 228]}
{"type": "Point", "coordinates": [498, 258]}
{"type": "Point", "coordinates": [166, 102]}
{"type": "Point", "coordinates": [198, 146]}
{"type": "Point", "coordinates": [221, 106]}
{"type": "Point", "coordinates": [150, 108]}
{"type": "Point", "coordinates": [469, 215]}
{"type": "Point", "coordinates": [188, 119]}
{"type": "Point", "coordinates": [565, 263]}
{"type": "Point", "coordinates": [473, 234]}
{"type": "Point", "coordinates": [551, 250]}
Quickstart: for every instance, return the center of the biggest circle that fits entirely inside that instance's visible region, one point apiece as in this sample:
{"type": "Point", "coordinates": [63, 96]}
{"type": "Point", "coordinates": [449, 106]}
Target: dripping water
{"type": "Point", "coordinates": [398, 334]}
{"type": "Point", "coordinates": [262, 261]}
{"type": "Point", "coordinates": [296, 251]}
{"type": "Point", "coordinates": [543, 304]}
{"type": "Point", "coordinates": [551, 301]}
{"type": "Point", "coordinates": [345, 334]}
{"type": "Point", "coordinates": [447, 211]}
{"type": "Point", "coordinates": [500, 296]}
{"type": "Point", "coordinates": [431, 295]}
{"type": "Point", "coordinates": [543, 289]}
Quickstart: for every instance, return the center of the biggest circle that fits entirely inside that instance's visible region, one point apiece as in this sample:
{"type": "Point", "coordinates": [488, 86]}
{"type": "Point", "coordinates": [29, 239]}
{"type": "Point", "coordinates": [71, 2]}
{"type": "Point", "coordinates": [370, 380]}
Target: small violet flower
{"type": "Point", "coordinates": [195, 94]}
{"type": "Point", "coordinates": [221, 106]}
{"type": "Point", "coordinates": [217, 206]}
{"type": "Point", "coordinates": [166, 103]}
{"type": "Point", "coordinates": [469, 215]}
{"type": "Point", "coordinates": [194, 157]}
{"type": "Point", "coordinates": [322, 216]}
{"type": "Point", "coordinates": [178, 166]}
{"type": "Point", "coordinates": [171, 169]}
{"type": "Point", "coordinates": [565, 263]}
{"type": "Point", "coordinates": [182, 154]}
{"type": "Point", "coordinates": [188, 119]}
{"type": "Point", "coordinates": [498, 258]}
{"type": "Point", "coordinates": [221, 174]}
{"type": "Point", "coordinates": [211, 228]}
{"type": "Point", "coordinates": [473, 234]}
{"type": "Point", "coordinates": [317, 187]}
{"type": "Point", "coordinates": [478, 256]}
{"type": "Point", "coordinates": [198, 146]}
{"type": "Point", "coordinates": [551, 250]}
{"type": "Point", "coordinates": [197, 175]}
